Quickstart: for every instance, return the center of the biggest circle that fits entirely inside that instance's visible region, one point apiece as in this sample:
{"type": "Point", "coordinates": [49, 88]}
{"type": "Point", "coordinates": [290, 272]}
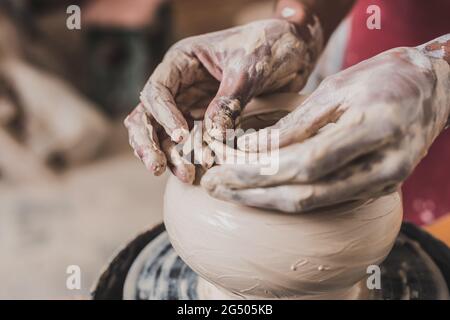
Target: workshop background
{"type": "Point", "coordinates": [71, 191]}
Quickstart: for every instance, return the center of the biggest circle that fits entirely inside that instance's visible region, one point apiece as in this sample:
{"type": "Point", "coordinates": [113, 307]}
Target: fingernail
{"type": "Point", "coordinates": [157, 168]}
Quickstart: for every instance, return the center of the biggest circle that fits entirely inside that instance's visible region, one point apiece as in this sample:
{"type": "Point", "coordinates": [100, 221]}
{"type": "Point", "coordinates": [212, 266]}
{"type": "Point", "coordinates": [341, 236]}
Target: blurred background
{"type": "Point", "coordinates": [71, 191]}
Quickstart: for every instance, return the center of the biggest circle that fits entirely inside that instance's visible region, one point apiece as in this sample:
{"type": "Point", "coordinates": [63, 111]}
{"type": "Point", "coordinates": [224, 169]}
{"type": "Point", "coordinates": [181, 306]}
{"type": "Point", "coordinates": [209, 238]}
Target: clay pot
{"type": "Point", "coordinates": [244, 252]}
{"type": "Point", "coordinates": [251, 253]}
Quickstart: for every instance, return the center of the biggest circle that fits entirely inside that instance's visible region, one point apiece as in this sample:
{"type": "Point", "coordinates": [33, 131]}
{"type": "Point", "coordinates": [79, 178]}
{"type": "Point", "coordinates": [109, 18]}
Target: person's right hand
{"type": "Point", "coordinates": [212, 77]}
{"type": "Point", "coordinates": [358, 136]}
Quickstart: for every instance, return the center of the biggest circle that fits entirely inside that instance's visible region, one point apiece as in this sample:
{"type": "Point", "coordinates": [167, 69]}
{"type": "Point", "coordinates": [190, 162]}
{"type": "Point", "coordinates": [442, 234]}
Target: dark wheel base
{"type": "Point", "coordinates": [418, 267]}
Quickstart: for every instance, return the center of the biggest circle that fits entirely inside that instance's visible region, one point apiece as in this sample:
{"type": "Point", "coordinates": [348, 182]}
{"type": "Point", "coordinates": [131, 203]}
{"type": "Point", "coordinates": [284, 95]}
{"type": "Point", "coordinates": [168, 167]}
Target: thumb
{"type": "Point", "coordinates": [302, 123]}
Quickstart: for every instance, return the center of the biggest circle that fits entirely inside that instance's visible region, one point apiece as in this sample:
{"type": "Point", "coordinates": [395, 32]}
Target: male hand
{"type": "Point", "coordinates": [212, 77]}
{"type": "Point", "coordinates": [358, 136]}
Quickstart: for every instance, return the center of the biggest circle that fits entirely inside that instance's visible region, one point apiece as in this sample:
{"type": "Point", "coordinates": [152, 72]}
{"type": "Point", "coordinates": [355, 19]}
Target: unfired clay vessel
{"type": "Point", "coordinates": [243, 252]}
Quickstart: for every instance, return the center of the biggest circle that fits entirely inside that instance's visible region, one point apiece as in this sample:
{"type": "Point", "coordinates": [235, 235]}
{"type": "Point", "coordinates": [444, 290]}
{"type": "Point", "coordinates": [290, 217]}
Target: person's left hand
{"type": "Point", "coordinates": [212, 77]}
{"type": "Point", "coordinates": [358, 136]}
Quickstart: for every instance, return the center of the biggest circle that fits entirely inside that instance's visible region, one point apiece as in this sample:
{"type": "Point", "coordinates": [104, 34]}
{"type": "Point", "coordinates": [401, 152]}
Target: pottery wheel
{"type": "Point", "coordinates": [418, 267]}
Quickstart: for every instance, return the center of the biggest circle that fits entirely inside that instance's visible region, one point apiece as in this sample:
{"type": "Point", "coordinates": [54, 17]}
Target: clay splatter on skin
{"type": "Point", "coordinates": [392, 106]}
{"type": "Point", "coordinates": [440, 46]}
{"type": "Point", "coordinates": [215, 75]}
{"type": "Point", "coordinates": [142, 139]}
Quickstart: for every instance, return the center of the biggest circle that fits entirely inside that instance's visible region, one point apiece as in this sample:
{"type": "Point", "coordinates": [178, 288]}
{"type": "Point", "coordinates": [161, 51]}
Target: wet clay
{"type": "Point", "coordinates": [252, 253]}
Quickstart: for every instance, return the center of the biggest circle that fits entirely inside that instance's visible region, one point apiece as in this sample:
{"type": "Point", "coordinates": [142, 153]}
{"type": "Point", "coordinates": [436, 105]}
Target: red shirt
{"type": "Point", "coordinates": [426, 193]}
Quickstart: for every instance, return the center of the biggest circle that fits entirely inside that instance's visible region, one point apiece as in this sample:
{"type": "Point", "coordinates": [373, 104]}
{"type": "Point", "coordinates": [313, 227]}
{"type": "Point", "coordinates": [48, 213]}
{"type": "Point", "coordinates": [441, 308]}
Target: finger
{"type": "Point", "coordinates": [177, 69]}
{"type": "Point", "coordinates": [223, 115]}
{"type": "Point", "coordinates": [308, 161]}
{"type": "Point", "coordinates": [228, 157]}
{"type": "Point", "coordinates": [144, 141]}
{"type": "Point", "coordinates": [180, 167]}
{"type": "Point", "coordinates": [207, 157]}
{"type": "Point", "coordinates": [355, 134]}
{"type": "Point", "coordinates": [305, 121]}
{"type": "Point", "coordinates": [378, 175]}
{"type": "Point", "coordinates": [202, 154]}
{"type": "Point", "coordinates": [240, 170]}
{"type": "Point", "coordinates": [224, 110]}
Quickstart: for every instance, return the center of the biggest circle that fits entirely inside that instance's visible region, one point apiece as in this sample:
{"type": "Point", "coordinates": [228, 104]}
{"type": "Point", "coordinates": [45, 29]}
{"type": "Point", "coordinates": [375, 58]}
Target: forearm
{"type": "Point", "coordinates": [302, 12]}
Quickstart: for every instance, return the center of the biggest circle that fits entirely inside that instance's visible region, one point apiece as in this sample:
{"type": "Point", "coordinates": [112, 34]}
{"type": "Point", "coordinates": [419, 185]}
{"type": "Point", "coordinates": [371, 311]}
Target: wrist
{"type": "Point", "coordinates": [308, 26]}
{"type": "Point", "coordinates": [300, 16]}
{"type": "Point", "coordinates": [293, 11]}
{"type": "Point", "coordinates": [304, 12]}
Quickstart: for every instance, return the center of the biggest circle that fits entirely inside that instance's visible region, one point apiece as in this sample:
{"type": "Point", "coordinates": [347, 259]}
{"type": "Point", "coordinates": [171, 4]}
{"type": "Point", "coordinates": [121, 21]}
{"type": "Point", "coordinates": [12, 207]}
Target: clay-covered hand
{"type": "Point", "coordinates": [358, 136]}
{"type": "Point", "coordinates": [212, 77]}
